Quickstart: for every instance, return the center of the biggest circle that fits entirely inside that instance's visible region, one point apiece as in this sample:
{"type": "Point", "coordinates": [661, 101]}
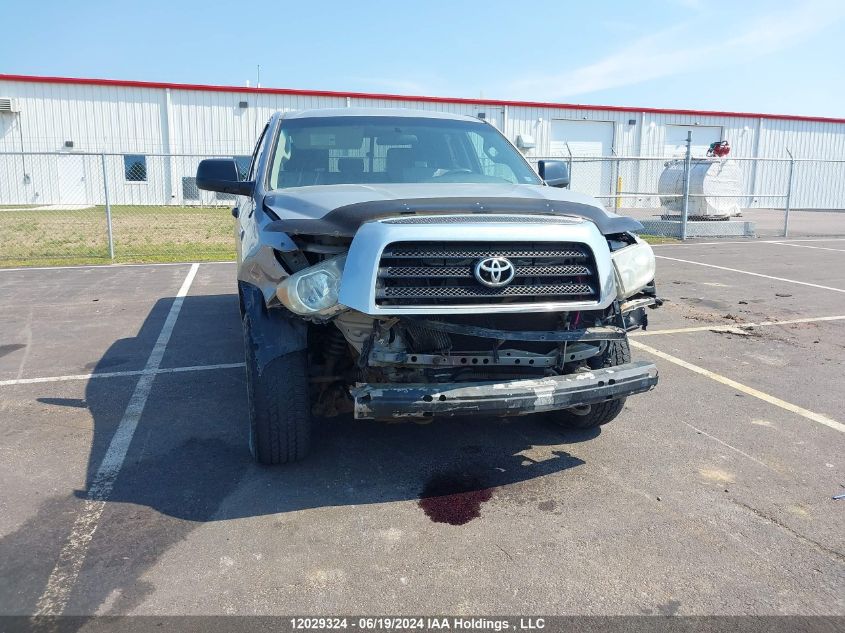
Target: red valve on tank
{"type": "Point", "coordinates": [719, 149]}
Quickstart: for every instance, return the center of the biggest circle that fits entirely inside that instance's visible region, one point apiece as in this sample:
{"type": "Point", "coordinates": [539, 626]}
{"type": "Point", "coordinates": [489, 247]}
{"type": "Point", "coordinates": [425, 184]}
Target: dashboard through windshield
{"type": "Point", "coordinates": [382, 149]}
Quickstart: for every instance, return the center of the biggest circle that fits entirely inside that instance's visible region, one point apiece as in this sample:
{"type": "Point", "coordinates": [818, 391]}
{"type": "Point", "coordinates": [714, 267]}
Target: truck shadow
{"type": "Point", "coordinates": [190, 452]}
{"type": "Point", "coordinates": [188, 464]}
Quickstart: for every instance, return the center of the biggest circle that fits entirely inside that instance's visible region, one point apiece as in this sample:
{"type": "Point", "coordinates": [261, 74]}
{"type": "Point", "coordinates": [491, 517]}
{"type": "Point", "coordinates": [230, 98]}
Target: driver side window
{"type": "Point", "coordinates": [259, 147]}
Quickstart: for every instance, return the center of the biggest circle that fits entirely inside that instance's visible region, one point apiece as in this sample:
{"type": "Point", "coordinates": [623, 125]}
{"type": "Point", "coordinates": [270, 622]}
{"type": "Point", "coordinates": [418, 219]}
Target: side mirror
{"type": "Point", "coordinates": [221, 175]}
{"type": "Point", "coordinates": [554, 172]}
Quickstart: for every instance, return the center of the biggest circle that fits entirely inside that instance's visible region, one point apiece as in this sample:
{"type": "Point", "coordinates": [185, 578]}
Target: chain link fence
{"type": "Point", "coordinates": [687, 197]}
{"type": "Point", "coordinates": [78, 207]}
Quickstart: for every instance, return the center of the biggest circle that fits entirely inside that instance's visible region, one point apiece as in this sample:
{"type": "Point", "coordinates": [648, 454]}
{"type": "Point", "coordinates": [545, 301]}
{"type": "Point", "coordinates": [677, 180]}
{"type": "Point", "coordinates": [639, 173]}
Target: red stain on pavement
{"type": "Point", "coordinates": [454, 498]}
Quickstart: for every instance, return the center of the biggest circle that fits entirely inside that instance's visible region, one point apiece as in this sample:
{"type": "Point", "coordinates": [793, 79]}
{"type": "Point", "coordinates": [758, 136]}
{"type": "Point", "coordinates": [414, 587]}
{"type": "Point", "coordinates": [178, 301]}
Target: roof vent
{"type": "Point", "coordinates": [7, 104]}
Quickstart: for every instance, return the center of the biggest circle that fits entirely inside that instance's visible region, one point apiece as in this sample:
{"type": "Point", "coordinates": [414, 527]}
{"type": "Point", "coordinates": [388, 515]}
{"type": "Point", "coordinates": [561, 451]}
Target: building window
{"type": "Point", "coordinates": [135, 168]}
{"type": "Point", "coordinates": [243, 166]}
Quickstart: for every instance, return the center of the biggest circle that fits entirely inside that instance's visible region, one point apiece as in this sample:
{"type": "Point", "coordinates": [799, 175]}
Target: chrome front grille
{"type": "Point", "coordinates": [478, 218]}
{"type": "Point", "coordinates": [427, 250]}
{"type": "Point", "coordinates": [426, 274]}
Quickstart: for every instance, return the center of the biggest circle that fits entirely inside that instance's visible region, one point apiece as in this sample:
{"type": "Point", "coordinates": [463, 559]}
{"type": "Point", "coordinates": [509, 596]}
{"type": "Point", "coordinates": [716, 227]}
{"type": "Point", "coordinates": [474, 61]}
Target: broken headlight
{"type": "Point", "coordinates": [634, 267]}
{"type": "Point", "coordinates": [315, 289]}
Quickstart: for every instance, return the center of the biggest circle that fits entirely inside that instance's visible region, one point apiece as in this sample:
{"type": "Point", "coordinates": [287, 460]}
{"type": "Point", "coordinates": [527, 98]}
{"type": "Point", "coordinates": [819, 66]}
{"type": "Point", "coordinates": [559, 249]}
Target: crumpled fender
{"type": "Point", "coordinates": [271, 333]}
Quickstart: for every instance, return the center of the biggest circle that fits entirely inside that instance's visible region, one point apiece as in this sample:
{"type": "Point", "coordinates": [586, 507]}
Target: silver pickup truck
{"type": "Point", "coordinates": [399, 264]}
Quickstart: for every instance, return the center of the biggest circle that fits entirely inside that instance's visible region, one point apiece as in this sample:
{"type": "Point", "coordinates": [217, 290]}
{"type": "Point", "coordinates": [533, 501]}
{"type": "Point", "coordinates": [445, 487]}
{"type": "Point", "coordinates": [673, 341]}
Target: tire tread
{"type": "Point", "coordinates": [279, 405]}
{"type": "Point", "coordinates": [617, 353]}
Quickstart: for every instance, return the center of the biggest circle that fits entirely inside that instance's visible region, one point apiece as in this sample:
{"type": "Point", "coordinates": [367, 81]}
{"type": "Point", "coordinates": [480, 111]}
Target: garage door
{"type": "Point", "coordinates": [702, 136]}
{"type": "Point", "coordinates": [585, 139]}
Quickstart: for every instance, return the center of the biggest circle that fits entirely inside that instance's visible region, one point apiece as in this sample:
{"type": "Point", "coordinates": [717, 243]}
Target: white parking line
{"type": "Point", "coordinates": [726, 445]}
{"type": "Point", "coordinates": [819, 248]}
{"type": "Point", "coordinates": [783, 404]}
{"type": "Point", "coordinates": [731, 328]}
{"type": "Point", "coordinates": [63, 577]}
{"type": "Point", "coordinates": [117, 374]}
{"type": "Point", "coordinates": [748, 272]}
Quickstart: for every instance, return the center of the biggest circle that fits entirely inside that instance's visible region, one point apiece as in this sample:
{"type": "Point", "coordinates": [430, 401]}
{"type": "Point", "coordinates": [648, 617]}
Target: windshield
{"type": "Point", "coordinates": [383, 149]}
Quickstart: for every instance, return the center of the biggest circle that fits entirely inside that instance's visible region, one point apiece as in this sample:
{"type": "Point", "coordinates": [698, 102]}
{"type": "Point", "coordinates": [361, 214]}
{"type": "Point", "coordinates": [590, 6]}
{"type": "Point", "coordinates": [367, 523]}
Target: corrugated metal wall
{"type": "Point", "coordinates": [183, 121]}
{"type": "Point", "coordinates": [95, 118]}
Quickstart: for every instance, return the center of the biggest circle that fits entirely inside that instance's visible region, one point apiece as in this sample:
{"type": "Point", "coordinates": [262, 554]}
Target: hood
{"type": "Point", "coordinates": [341, 209]}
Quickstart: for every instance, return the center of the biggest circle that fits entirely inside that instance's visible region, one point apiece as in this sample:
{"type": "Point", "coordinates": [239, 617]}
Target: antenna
{"type": "Point", "coordinates": [258, 82]}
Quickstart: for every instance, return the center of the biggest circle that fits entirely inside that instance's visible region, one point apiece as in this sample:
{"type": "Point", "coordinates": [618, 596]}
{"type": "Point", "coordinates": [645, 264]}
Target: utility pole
{"type": "Point", "coordinates": [687, 165]}
{"type": "Point", "coordinates": [788, 194]}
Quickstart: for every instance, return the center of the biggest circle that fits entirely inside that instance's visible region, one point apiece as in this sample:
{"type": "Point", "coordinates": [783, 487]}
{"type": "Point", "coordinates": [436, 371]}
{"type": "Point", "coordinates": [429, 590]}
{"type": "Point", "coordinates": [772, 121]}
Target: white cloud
{"type": "Point", "coordinates": [680, 49]}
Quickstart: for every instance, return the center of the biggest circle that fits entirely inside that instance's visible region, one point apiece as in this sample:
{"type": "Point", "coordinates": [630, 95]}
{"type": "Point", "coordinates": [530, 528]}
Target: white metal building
{"type": "Point", "coordinates": [140, 122]}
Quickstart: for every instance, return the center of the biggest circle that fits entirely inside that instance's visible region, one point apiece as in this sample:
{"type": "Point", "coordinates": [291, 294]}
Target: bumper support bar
{"type": "Point", "coordinates": [511, 398]}
{"type": "Point", "coordinates": [604, 333]}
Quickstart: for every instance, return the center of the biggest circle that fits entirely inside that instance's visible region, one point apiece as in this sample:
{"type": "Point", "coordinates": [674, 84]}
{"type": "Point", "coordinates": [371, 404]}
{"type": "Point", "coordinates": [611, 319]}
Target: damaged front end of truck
{"type": "Point", "coordinates": [426, 314]}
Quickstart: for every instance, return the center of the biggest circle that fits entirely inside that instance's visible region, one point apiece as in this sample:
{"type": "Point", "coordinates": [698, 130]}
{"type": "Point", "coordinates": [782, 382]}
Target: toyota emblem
{"type": "Point", "coordinates": [494, 272]}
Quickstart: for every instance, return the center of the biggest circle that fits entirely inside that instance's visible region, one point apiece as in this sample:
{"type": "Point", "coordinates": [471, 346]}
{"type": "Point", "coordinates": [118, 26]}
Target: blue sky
{"type": "Point", "coordinates": [780, 57]}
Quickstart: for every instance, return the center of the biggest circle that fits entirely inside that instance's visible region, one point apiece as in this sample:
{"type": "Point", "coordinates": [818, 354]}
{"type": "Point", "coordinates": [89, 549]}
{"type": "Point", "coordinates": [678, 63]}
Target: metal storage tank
{"type": "Point", "coordinates": [715, 187]}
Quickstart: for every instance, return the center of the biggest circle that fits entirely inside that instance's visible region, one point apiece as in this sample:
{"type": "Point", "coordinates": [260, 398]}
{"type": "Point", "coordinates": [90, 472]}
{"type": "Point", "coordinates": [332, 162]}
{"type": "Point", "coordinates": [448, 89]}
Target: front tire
{"type": "Point", "coordinates": [617, 353]}
{"type": "Point", "coordinates": [279, 405]}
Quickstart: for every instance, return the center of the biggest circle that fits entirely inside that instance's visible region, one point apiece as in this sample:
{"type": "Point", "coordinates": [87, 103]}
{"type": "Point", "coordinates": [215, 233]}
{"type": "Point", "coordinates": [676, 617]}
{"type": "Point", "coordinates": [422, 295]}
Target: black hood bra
{"type": "Point", "coordinates": [344, 221]}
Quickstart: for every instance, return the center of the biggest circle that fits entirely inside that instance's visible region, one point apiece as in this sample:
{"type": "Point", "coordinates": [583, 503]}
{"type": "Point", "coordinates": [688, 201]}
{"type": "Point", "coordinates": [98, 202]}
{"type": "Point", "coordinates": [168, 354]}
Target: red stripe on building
{"type": "Point", "coordinates": [120, 83]}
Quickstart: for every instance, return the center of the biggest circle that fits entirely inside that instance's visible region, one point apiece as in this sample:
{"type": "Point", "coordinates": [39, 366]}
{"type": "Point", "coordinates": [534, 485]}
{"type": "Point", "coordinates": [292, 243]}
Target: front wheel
{"type": "Point", "coordinates": [279, 406]}
{"type": "Point", "coordinates": [617, 353]}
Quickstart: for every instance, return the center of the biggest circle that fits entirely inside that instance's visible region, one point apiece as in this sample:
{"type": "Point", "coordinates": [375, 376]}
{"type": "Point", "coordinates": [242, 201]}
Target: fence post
{"type": "Point", "coordinates": [617, 177]}
{"type": "Point", "coordinates": [788, 194]}
{"type": "Point", "coordinates": [618, 189]}
{"type": "Point", "coordinates": [569, 186]}
{"type": "Point", "coordinates": [687, 163]}
{"type": "Point", "coordinates": [108, 205]}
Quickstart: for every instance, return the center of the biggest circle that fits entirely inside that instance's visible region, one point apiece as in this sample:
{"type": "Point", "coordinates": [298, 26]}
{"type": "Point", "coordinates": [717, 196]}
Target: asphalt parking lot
{"type": "Point", "coordinates": [126, 486]}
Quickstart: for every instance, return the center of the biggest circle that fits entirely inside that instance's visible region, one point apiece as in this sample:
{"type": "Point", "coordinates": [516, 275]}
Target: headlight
{"type": "Point", "coordinates": [634, 266]}
{"type": "Point", "coordinates": [315, 289]}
